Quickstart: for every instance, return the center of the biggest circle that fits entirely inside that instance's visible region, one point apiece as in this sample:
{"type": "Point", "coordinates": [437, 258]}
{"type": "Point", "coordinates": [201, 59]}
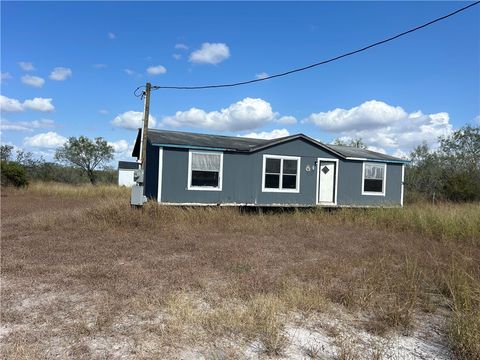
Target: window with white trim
{"type": "Point", "coordinates": [374, 179]}
{"type": "Point", "coordinates": [205, 170]}
{"type": "Point", "coordinates": [281, 173]}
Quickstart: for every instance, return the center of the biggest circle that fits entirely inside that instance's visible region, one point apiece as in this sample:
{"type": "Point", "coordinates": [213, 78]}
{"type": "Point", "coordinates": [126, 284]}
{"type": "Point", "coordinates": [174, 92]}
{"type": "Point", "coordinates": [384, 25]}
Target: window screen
{"type": "Point", "coordinates": [205, 170]}
{"type": "Point", "coordinates": [280, 173]}
{"type": "Point", "coordinates": [373, 178]}
{"type": "Point", "coordinates": [272, 173]}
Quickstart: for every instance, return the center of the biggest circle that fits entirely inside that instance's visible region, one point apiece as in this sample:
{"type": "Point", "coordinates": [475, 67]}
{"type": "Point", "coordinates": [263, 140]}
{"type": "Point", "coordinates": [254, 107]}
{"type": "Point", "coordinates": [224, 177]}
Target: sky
{"type": "Point", "coordinates": [70, 69]}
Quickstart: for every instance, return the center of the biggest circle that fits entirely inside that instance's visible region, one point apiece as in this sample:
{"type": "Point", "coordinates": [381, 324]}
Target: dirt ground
{"type": "Point", "coordinates": [89, 278]}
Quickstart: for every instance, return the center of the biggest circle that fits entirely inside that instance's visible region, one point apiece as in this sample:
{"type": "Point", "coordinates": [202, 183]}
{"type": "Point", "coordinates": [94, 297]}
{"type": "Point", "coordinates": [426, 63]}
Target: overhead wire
{"type": "Point", "coordinates": [289, 72]}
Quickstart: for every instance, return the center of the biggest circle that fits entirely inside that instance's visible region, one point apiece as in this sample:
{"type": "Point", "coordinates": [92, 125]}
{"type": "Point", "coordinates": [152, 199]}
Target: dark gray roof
{"type": "Point", "coordinates": [162, 137]}
{"type": "Point", "coordinates": [241, 144]}
{"type": "Point", "coordinates": [127, 165]}
{"type": "Point", "coordinates": [350, 151]}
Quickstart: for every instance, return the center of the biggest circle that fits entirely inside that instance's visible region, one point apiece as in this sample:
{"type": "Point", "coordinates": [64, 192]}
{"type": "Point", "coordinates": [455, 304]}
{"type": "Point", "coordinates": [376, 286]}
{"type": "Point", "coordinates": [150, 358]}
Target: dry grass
{"type": "Point", "coordinates": [100, 191]}
{"type": "Point", "coordinates": [113, 280]}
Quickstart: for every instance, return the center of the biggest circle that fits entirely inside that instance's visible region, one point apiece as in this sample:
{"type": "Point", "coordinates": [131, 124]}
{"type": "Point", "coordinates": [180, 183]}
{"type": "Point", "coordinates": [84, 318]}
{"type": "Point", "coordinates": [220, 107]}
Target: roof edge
{"type": "Point", "coordinates": [294, 137]}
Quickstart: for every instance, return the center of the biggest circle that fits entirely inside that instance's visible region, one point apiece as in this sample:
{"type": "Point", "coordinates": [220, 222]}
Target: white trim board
{"type": "Point", "coordinates": [189, 175]}
{"type": "Point", "coordinates": [160, 174]}
{"type": "Point", "coordinates": [403, 185]}
{"type": "Point", "coordinates": [280, 190]}
{"type": "Point", "coordinates": [384, 181]}
{"type": "Point", "coordinates": [319, 160]}
{"type": "Point", "coordinates": [384, 206]}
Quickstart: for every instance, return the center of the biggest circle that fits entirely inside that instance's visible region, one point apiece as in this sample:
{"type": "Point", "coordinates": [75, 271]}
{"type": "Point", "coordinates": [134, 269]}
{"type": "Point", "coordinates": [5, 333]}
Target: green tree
{"type": "Point", "coordinates": [6, 152]}
{"type": "Point", "coordinates": [85, 154]}
{"type": "Point", "coordinates": [460, 154]}
{"type": "Point", "coordinates": [462, 148]}
{"type": "Point", "coordinates": [452, 172]}
{"type": "Point", "coordinates": [423, 175]}
{"type": "Point", "coordinates": [13, 174]}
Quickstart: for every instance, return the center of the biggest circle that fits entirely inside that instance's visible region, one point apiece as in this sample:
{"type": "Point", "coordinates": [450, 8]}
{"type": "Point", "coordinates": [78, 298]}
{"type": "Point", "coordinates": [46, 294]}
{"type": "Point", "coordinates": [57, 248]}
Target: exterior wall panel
{"type": "Point", "coordinates": [242, 178]}
{"type": "Point", "coordinates": [151, 172]}
{"type": "Point", "coordinates": [350, 185]}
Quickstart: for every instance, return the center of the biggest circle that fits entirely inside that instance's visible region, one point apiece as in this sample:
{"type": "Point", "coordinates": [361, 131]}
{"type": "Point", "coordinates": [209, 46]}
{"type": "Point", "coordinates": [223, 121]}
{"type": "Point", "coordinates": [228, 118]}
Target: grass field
{"type": "Point", "coordinates": [85, 276]}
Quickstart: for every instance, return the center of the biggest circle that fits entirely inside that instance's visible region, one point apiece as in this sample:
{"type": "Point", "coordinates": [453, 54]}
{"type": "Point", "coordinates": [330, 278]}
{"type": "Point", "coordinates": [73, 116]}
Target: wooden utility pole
{"type": "Point", "coordinates": [146, 115]}
{"type": "Point", "coordinates": [138, 198]}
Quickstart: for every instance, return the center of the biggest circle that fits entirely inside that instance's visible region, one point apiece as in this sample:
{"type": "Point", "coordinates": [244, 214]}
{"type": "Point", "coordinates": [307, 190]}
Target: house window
{"type": "Point", "coordinates": [205, 171]}
{"type": "Point", "coordinates": [281, 173]}
{"type": "Point", "coordinates": [374, 176]}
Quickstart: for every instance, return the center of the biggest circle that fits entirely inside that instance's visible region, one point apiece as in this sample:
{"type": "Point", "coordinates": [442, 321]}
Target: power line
{"type": "Point", "coordinates": [289, 72]}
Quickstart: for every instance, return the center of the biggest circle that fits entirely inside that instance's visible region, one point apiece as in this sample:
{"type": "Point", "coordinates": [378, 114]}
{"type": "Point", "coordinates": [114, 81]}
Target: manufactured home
{"type": "Point", "coordinates": [125, 173]}
{"type": "Point", "coordinates": [197, 169]}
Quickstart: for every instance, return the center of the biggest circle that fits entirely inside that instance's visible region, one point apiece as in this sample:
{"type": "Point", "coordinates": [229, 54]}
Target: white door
{"type": "Point", "coordinates": [326, 193]}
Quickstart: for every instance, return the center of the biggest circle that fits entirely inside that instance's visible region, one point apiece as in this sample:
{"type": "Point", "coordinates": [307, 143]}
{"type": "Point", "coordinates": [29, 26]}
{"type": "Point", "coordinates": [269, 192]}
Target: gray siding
{"type": "Point", "coordinates": [151, 172]}
{"type": "Point", "coordinates": [242, 178]}
{"type": "Point", "coordinates": [350, 185]}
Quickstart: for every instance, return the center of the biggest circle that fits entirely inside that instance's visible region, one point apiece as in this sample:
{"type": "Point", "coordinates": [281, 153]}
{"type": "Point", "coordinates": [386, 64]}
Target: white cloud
{"type": "Point", "coordinates": [111, 36]}
{"type": "Point", "coordinates": [122, 149]}
{"type": "Point", "coordinates": [287, 120]}
{"type": "Point", "coordinates": [48, 140]}
{"type": "Point", "coordinates": [477, 119]}
{"type": "Point", "coordinates": [10, 105]}
{"type": "Point", "coordinates": [60, 73]}
{"type": "Point", "coordinates": [26, 66]}
{"type": "Point", "coordinates": [267, 135]}
{"type": "Point", "coordinates": [34, 81]}
{"type": "Point", "coordinates": [39, 104]}
{"type": "Point", "coordinates": [156, 70]}
{"type": "Point", "coordinates": [246, 114]}
{"type": "Point", "coordinates": [401, 154]}
{"type": "Point", "coordinates": [133, 120]}
{"type": "Point", "coordinates": [181, 46]}
{"type": "Point", "coordinates": [177, 56]}
{"type": "Point", "coordinates": [7, 125]}
{"type": "Point", "coordinates": [5, 76]}
{"type": "Point", "coordinates": [376, 149]}
{"type": "Point", "coordinates": [129, 72]}
{"type": "Point", "coordinates": [261, 75]}
{"type": "Point", "coordinates": [383, 126]}
{"type": "Point", "coordinates": [370, 114]}
{"type": "Point", "coordinates": [99, 66]}
{"type": "Point", "coordinates": [121, 146]}
{"type": "Point", "coordinates": [103, 111]}
{"type": "Point", "coordinates": [14, 105]}
{"type": "Point", "coordinates": [210, 54]}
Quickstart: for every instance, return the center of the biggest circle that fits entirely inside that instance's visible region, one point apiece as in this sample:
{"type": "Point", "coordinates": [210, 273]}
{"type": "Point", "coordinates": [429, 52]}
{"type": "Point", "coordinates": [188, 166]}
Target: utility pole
{"type": "Point", "coordinates": [146, 115]}
{"type": "Point", "coordinates": [138, 190]}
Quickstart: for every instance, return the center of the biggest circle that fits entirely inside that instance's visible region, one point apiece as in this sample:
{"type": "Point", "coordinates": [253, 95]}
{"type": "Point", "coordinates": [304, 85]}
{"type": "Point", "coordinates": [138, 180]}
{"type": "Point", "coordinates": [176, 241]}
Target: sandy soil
{"type": "Point", "coordinates": [74, 286]}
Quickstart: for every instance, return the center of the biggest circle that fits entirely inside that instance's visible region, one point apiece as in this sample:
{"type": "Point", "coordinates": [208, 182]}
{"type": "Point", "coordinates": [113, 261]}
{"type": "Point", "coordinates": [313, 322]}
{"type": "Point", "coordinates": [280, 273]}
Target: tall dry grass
{"type": "Point", "coordinates": [100, 191]}
{"type": "Point", "coordinates": [445, 221]}
{"type": "Point", "coordinates": [457, 225]}
{"type": "Point", "coordinates": [229, 272]}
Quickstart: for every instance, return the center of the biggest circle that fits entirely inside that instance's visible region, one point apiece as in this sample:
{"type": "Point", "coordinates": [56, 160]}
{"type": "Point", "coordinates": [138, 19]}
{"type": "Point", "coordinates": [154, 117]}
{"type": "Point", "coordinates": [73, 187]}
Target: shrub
{"type": "Point", "coordinates": [13, 174]}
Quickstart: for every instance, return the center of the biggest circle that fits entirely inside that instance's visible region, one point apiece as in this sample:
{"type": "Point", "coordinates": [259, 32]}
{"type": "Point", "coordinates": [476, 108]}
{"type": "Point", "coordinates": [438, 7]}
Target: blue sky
{"type": "Point", "coordinates": [70, 68]}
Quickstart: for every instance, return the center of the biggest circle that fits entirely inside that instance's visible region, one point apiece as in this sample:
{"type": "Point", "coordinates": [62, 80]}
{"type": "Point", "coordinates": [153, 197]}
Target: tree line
{"type": "Point", "coordinates": [79, 160]}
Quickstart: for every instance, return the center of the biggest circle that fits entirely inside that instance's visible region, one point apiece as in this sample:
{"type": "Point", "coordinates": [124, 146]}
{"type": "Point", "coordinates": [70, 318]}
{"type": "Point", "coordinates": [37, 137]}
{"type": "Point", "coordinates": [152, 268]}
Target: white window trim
{"type": "Point", "coordinates": [403, 185]}
{"type": "Point", "coordinates": [220, 175]}
{"type": "Point", "coordinates": [384, 182]}
{"type": "Point", "coordinates": [319, 160]}
{"type": "Point", "coordinates": [280, 190]}
{"type": "Point", "coordinates": [160, 174]}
